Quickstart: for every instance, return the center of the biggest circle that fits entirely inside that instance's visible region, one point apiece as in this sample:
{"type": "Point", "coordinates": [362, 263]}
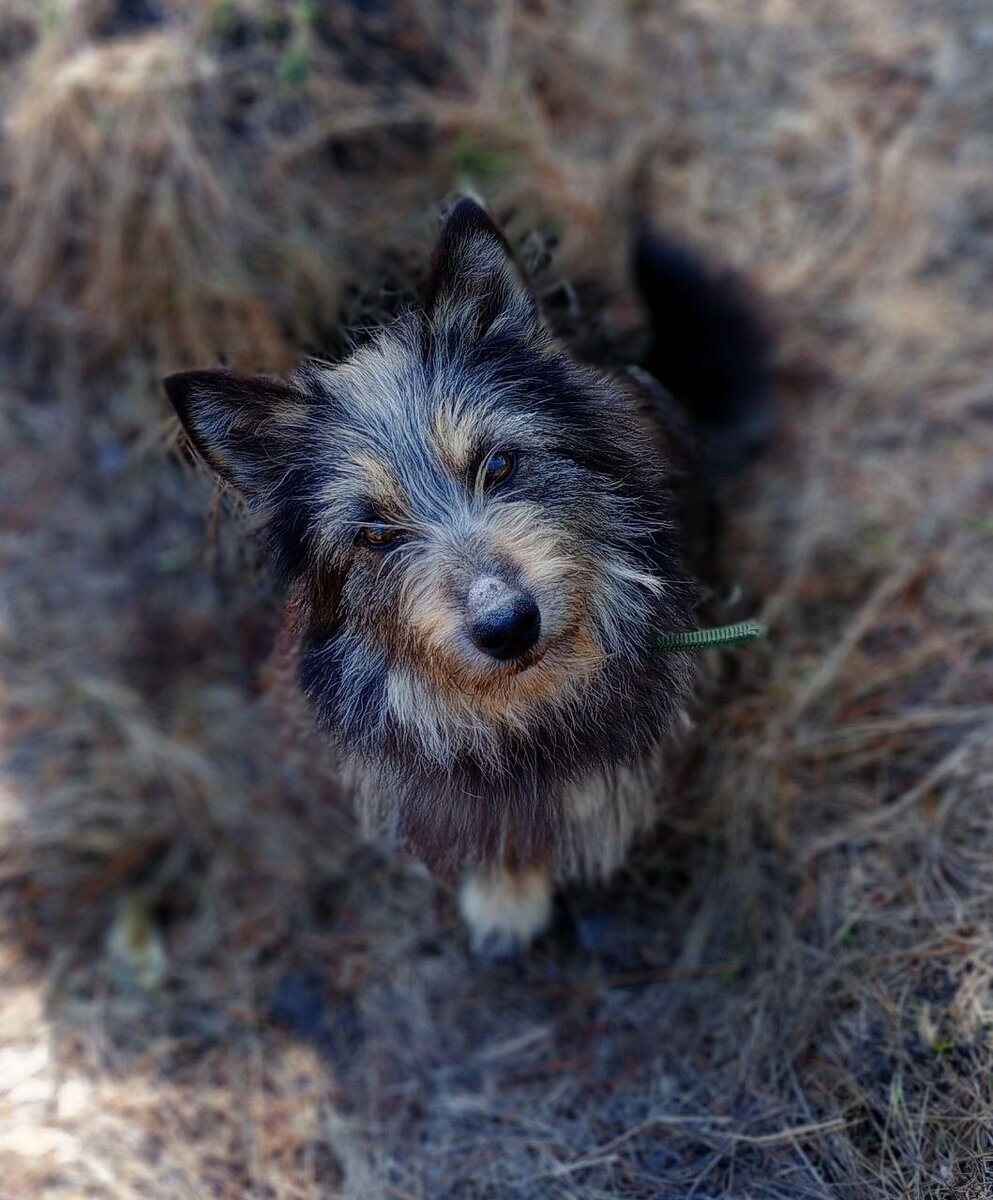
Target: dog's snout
{"type": "Point", "coordinates": [504, 621]}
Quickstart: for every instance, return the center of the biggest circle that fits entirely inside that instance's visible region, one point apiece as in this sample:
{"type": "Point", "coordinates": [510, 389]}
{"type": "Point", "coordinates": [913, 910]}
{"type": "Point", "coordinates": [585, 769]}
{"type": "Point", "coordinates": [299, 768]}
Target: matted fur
{"type": "Point", "coordinates": [554, 759]}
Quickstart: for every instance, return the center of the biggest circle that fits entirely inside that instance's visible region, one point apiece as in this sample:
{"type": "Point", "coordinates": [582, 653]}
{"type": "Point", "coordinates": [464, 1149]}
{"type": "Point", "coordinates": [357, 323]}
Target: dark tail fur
{"type": "Point", "coordinates": [710, 349]}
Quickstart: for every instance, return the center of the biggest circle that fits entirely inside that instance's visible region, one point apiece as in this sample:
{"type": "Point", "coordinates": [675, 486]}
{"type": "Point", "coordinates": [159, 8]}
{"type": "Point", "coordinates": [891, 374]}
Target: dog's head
{"type": "Point", "coordinates": [480, 524]}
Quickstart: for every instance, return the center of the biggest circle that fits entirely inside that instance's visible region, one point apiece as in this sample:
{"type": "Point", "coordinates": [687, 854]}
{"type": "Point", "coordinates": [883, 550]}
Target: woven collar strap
{"type": "Point", "coordinates": [723, 635]}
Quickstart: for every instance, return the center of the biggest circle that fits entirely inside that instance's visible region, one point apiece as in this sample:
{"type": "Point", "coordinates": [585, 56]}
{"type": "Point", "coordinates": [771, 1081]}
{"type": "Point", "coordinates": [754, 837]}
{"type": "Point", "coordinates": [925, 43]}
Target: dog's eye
{"type": "Point", "coordinates": [499, 466]}
{"type": "Point", "coordinates": [378, 535]}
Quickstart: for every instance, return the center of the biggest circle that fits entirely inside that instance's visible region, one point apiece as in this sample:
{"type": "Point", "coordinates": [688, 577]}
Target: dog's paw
{"type": "Point", "coordinates": [505, 911]}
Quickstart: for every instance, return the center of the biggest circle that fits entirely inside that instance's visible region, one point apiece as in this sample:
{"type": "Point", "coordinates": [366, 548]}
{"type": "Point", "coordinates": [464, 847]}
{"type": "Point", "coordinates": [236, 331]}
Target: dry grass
{"type": "Point", "coordinates": [209, 987]}
{"type": "Point", "coordinates": [218, 179]}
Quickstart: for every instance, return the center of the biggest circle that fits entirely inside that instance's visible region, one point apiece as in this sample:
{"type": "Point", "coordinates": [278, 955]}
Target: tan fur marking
{"type": "Point", "coordinates": [386, 489]}
{"type": "Point", "coordinates": [504, 694]}
{"type": "Point", "coordinates": [518, 532]}
{"type": "Point", "coordinates": [454, 439]}
{"type": "Point", "coordinates": [434, 621]}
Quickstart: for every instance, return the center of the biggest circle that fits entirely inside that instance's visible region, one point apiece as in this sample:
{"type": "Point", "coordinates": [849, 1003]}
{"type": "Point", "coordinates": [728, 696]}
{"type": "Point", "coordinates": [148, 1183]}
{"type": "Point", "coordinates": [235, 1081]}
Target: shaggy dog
{"type": "Point", "coordinates": [484, 538]}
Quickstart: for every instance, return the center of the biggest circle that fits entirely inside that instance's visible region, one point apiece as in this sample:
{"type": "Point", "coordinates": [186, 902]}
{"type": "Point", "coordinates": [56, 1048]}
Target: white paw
{"type": "Point", "coordinates": [505, 912]}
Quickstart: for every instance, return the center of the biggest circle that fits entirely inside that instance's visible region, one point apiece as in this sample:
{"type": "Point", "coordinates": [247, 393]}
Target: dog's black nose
{"type": "Point", "coordinates": [504, 622]}
{"type": "Point", "coordinates": [508, 632]}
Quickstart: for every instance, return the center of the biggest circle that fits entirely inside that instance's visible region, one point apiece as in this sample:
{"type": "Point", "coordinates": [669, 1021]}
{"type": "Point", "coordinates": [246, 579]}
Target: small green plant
{"type": "Point", "coordinates": [53, 13]}
{"type": "Point", "coordinates": [474, 160]}
{"type": "Point", "coordinates": [848, 935]}
{"type": "Point", "coordinates": [222, 19]}
{"type": "Point", "coordinates": [294, 67]}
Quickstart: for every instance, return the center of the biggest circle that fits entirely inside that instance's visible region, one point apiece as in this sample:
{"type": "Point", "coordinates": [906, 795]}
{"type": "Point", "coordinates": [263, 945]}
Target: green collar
{"type": "Point", "coordinates": [723, 635]}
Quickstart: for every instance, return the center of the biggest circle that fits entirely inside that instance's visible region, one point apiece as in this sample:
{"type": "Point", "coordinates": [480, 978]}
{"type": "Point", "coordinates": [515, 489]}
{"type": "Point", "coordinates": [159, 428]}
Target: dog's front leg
{"type": "Point", "coordinates": [505, 910]}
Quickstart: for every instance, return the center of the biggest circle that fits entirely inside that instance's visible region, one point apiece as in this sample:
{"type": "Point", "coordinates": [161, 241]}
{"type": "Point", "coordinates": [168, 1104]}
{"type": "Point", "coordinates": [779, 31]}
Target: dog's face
{"type": "Point", "coordinates": [478, 523]}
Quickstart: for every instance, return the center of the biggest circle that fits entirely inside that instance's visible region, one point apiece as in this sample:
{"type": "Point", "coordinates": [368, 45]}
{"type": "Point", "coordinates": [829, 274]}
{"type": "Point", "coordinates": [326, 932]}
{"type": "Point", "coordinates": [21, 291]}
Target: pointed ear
{"type": "Point", "coordinates": [242, 427]}
{"type": "Point", "coordinates": [475, 284]}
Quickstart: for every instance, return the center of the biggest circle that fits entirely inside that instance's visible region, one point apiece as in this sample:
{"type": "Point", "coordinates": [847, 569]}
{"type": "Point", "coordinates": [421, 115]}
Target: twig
{"type": "Point", "coordinates": [605, 1152]}
{"type": "Point", "coordinates": [794, 1133]}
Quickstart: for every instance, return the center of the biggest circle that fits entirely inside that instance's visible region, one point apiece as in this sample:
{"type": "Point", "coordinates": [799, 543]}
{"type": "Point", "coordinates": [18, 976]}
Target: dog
{"type": "Point", "coordinates": [484, 538]}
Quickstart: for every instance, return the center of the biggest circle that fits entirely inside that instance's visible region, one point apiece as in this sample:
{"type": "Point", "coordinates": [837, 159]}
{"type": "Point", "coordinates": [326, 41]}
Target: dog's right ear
{"type": "Point", "coordinates": [243, 427]}
{"type": "Point", "coordinates": [475, 284]}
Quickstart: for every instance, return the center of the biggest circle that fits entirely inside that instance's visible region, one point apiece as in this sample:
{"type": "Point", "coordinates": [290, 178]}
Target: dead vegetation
{"type": "Point", "coordinates": [210, 988]}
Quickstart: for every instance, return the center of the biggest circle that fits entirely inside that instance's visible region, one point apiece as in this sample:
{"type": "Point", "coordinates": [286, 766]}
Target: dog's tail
{"type": "Point", "coordinates": [711, 349]}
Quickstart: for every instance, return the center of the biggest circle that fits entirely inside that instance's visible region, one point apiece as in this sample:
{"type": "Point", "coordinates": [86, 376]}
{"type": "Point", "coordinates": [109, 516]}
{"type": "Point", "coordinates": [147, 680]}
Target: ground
{"type": "Point", "coordinates": [211, 987]}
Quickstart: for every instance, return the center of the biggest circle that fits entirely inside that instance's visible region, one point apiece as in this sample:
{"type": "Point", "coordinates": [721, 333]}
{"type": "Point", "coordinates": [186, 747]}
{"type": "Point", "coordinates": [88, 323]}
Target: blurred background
{"type": "Point", "coordinates": [209, 987]}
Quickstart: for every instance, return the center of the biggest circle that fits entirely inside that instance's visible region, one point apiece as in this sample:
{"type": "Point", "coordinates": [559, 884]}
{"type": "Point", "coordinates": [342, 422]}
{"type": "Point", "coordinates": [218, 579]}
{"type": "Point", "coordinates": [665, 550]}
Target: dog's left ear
{"type": "Point", "coordinates": [475, 284]}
